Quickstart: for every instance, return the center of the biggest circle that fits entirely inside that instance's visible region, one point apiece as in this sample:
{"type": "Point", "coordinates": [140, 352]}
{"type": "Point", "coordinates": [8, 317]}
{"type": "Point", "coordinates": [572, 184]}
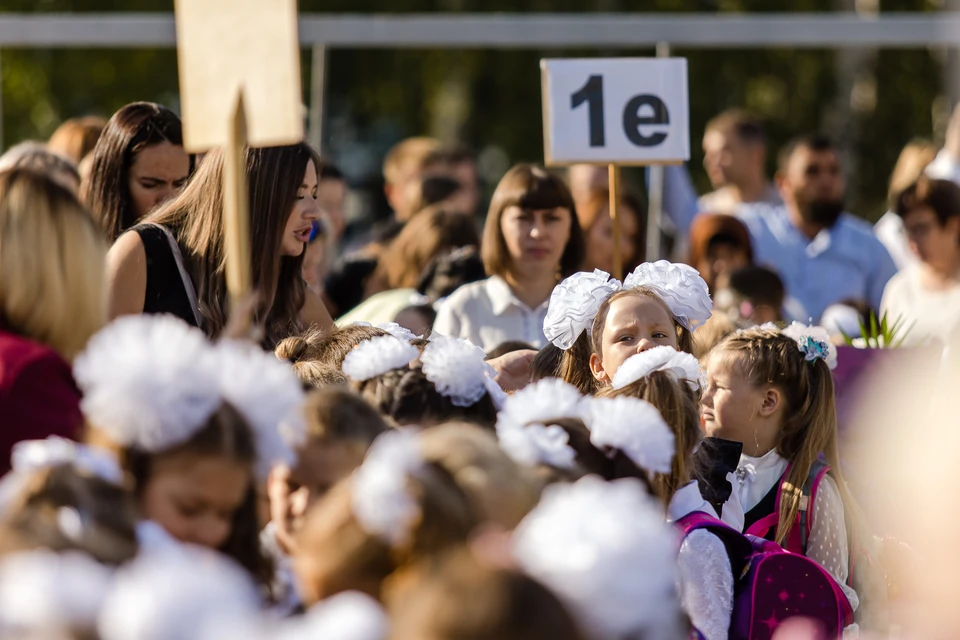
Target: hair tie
{"type": "Point", "coordinates": [813, 342]}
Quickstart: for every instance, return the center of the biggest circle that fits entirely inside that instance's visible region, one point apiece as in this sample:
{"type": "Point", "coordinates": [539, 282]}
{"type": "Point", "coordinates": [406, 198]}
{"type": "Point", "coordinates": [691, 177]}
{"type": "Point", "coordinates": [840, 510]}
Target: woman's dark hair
{"type": "Point", "coordinates": [408, 398]}
{"type": "Point", "coordinates": [274, 176]}
{"type": "Point", "coordinates": [106, 190]}
{"type": "Point", "coordinates": [228, 434]}
{"type": "Point", "coordinates": [940, 196]}
{"type": "Point", "coordinates": [450, 271]}
{"type": "Point", "coordinates": [531, 188]}
{"type": "Point", "coordinates": [546, 364]}
{"type": "Point", "coordinates": [509, 346]}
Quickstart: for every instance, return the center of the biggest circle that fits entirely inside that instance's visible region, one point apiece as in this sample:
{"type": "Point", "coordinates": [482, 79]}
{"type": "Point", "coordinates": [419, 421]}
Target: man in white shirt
{"type": "Point", "coordinates": [823, 255]}
{"type": "Point", "coordinates": [734, 156]}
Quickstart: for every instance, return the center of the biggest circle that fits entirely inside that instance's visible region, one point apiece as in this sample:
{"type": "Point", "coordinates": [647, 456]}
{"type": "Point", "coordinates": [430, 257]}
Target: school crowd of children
{"type": "Point", "coordinates": [634, 479]}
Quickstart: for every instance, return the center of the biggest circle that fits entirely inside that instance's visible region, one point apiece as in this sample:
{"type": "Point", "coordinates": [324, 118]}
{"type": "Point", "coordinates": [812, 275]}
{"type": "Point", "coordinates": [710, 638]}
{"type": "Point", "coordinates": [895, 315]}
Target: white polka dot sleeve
{"type": "Point", "coordinates": [827, 542]}
{"type": "Point", "coordinates": [706, 584]}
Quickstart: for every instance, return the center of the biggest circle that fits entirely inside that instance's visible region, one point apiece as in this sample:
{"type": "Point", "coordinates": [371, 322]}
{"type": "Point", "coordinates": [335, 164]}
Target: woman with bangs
{"type": "Point", "coordinates": [531, 241]}
{"type": "Point", "coordinates": [51, 302]}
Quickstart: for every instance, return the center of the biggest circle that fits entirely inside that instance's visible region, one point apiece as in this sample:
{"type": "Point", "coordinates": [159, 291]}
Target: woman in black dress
{"type": "Point", "coordinates": [173, 262]}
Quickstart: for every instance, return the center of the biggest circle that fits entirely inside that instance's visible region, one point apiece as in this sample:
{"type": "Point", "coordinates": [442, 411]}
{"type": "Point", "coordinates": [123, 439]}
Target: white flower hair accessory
{"type": "Point", "coordinates": [679, 364]}
{"type": "Point", "coordinates": [606, 551]}
{"type": "Point", "coordinates": [574, 304]}
{"type": "Point", "coordinates": [32, 455]}
{"type": "Point", "coordinates": [47, 594]}
{"type": "Point", "coordinates": [397, 331]}
{"type": "Point", "coordinates": [170, 596]}
{"type": "Point", "coordinates": [536, 444]}
{"type": "Point", "coordinates": [266, 392]}
{"type": "Point", "coordinates": [679, 286]}
{"type": "Point", "coordinates": [540, 402]}
{"type": "Point", "coordinates": [633, 426]}
{"type": "Point", "coordinates": [148, 381]}
{"type": "Point", "coordinates": [381, 501]}
{"type": "Point", "coordinates": [813, 342]}
{"type": "Point", "coordinates": [376, 356]}
{"type": "Point", "coordinates": [456, 368]}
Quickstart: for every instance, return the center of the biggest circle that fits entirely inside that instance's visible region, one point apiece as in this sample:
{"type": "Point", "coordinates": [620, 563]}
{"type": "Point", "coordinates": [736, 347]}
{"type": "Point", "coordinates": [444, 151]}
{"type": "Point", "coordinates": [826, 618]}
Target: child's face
{"type": "Point", "coordinates": [730, 406]}
{"type": "Point", "coordinates": [194, 498]}
{"type": "Point", "coordinates": [320, 465]}
{"type": "Point", "coordinates": [634, 324]}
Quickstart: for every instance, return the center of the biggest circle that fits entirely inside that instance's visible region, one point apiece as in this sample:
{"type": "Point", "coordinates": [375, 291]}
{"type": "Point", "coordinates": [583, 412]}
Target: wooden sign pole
{"type": "Point", "coordinates": [614, 175]}
{"type": "Point", "coordinates": [236, 209]}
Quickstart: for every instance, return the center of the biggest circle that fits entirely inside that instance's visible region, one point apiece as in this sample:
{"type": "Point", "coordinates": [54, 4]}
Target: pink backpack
{"type": "Point", "coordinates": [865, 574]}
{"type": "Point", "coordinates": [772, 585]}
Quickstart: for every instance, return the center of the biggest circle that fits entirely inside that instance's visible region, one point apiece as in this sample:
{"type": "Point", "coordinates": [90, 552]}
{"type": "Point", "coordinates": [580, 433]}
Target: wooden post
{"type": "Point", "coordinates": [236, 210]}
{"type": "Point", "coordinates": [614, 175]}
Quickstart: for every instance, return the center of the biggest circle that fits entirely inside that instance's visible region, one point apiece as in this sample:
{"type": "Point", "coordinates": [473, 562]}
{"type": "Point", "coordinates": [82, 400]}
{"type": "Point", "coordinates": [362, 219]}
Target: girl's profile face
{"type": "Point", "coordinates": [634, 324]}
{"type": "Point", "coordinates": [535, 240]}
{"type": "Point", "coordinates": [305, 212]}
{"type": "Point", "coordinates": [730, 404]}
{"type": "Point", "coordinates": [194, 497]}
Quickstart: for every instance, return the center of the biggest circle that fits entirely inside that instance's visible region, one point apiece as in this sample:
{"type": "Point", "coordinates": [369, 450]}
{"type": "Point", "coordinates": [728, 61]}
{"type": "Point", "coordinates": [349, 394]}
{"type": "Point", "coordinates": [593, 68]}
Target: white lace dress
{"type": "Point", "coordinates": [827, 540]}
{"type": "Point", "coordinates": [706, 578]}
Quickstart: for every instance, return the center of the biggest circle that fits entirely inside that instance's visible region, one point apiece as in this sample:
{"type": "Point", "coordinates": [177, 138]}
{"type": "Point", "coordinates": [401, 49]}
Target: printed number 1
{"type": "Point", "coordinates": [592, 94]}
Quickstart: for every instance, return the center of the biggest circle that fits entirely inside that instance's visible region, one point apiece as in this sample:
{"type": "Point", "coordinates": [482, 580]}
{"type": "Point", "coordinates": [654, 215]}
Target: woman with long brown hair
{"type": "Point", "coordinates": [175, 261]}
{"type": "Point", "coordinates": [137, 164]}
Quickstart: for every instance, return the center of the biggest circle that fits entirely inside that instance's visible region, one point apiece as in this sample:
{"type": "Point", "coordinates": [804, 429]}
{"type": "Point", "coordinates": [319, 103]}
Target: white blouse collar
{"type": "Point", "coordinates": [757, 476]}
{"type": "Point", "coordinates": [768, 460]}
{"type": "Point", "coordinates": [686, 500]}
{"type": "Point", "coordinates": [502, 297]}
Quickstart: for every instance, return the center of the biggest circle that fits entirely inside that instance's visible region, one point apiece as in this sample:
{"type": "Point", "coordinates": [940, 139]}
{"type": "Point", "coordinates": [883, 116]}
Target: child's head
{"type": "Point", "coordinates": [546, 364]}
{"type": "Point", "coordinates": [630, 322]}
{"type": "Point", "coordinates": [304, 352]}
{"type": "Point", "coordinates": [66, 507]}
{"type": "Point", "coordinates": [751, 296]}
{"type": "Point", "coordinates": [451, 382]}
{"type": "Point", "coordinates": [499, 492]}
{"type": "Point", "coordinates": [463, 598]}
{"type": "Point", "coordinates": [197, 426]}
{"type": "Point", "coordinates": [773, 390]}
{"type": "Point", "coordinates": [364, 528]}
{"type": "Point", "coordinates": [340, 428]}
{"type": "Point", "coordinates": [677, 400]}
{"type": "Point", "coordinates": [335, 346]}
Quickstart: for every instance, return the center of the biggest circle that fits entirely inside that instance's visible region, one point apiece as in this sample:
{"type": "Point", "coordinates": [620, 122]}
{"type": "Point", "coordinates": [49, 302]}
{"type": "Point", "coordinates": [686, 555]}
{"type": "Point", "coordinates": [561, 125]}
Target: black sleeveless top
{"type": "Point", "coordinates": [165, 290]}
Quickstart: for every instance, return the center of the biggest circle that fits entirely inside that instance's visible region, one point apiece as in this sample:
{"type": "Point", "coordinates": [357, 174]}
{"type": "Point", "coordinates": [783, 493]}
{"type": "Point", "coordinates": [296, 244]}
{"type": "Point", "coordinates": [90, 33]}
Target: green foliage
{"type": "Point", "coordinates": [879, 334]}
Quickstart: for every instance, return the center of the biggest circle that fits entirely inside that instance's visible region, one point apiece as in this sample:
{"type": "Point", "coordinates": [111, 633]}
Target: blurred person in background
{"type": "Point", "coordinates": [926, 295]}
{"type": "Point", "coordinates": [331, 196]}
{"type": "Point", "coordinates": [392, 286]}
{"type": "Point", "coordinates": [821, 253]}
{"type": "Point", "coordinates": [459, 163]}
{"type": "Point", "coordinates": [315, 256]}
{"type": "Point", "coordinates": [76, 137]}
{"type": "Point", "coordinates": [735, 156]}
{"type": "Point", "coordinates": [51, 302]}
{"type": "Point", "coordinates": [594, 217]}
{"type": "Point", "coordinates": [441, 190]}
{"type": "Point", "coordinates": [913, 160]}
{"type": "Point", "coordinates": [718, 244]}
{"type": "Point", "coordinates": [585, 180]}
{"type": "Point", "coordinates": [138, 163]}
{"type": "Point", "coordinates": [531, 240]}
{"type": "Point", "coordinates": [36, 156]}
{"type": "Point", "coordinates": [173, 262]}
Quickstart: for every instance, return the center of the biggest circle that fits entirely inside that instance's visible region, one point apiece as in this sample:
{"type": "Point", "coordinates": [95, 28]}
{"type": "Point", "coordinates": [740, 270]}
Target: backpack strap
{"type": "Point", "coordinates": [818, 470]}
{"type": "Point", "coordinates": [739, 547]}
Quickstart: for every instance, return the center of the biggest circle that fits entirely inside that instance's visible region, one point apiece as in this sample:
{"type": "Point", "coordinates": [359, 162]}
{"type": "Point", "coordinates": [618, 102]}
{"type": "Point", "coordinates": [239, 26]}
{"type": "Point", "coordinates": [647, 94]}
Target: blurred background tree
{"type": "Point", "coordinates": [872, 101]}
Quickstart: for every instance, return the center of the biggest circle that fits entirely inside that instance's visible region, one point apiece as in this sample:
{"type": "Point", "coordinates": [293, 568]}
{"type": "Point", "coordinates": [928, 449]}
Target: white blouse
{"type": "Point", "coordinates": [706, 577]}
{"type": "Point", "coordinates": [487, 313]}
{"type": "Point", "coordinates": [827, 540]}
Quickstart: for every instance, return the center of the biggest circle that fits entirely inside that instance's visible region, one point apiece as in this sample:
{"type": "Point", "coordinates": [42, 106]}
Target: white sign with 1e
{"type": "Point", "coordinates": [623, 111]}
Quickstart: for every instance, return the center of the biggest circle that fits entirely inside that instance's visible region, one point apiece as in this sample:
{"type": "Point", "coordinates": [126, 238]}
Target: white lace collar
{"type": "Point", "coordinates": [757, 475]}
{"type": "Point", "coordinates": [686, 500]}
